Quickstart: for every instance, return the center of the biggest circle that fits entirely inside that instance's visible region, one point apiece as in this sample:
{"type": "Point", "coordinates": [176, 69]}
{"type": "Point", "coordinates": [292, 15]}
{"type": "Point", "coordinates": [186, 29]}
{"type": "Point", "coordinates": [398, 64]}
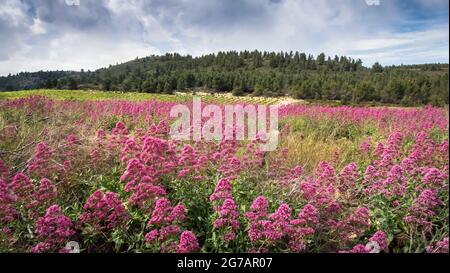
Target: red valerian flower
{"type": "Point", "coordinates": [54, 230]}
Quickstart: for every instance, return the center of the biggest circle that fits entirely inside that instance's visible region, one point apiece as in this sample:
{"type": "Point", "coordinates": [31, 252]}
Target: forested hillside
{"type": "Point", "coordinates": [257, 73]}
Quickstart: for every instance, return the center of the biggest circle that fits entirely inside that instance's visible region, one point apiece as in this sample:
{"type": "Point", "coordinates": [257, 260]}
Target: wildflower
{"type": "Point", "coordinates": [432, 176]}
{"type": "Point", "coordinates": [165, 220]}
{"type": "Point", "coordinates": [282, 214]}
{"type": "Point", "coordinates": [302, 228]}
{"type": "Point", "coordinates": [359, 248]}
{"type": "Point", "coordinates": [366, 146]}
{"type": "Point", "coordinates": [168, 231]}
{"type": "Point", "coordinates": [42, 198]}
{"type": "Point", "coordinates": [258, 208]}
{"type": "Point", "coordinates": [162, 212]}
{"type": "Point", "coordinates": [370, 175]}
{"type": "Point", "coordinates": [395, 183]}
{"type": "Point", "coordinates": [291, 176]}
{"type": "Point", "coordinates": [379, 149]}
{"type": "Point", "coordinates": [7, 210]}
{"type": "Point", "coordinates": [100, 134]}
{"type": "Point", "coordinates": [348, 176]}
{"type": "Point", "coordinates": [135, 170]}
{"type": "Point", "coordinates": [380, 238]}
{"type": "Point", "coordinates": [120, 129]}
{"type": "Point", "coordinates": [231, 166]}
{"type": "Point", "coordinates": [130, 145]}
{"type": "Point", "coordinates": [144, 194]}
{"type": "Point", "coordinates": [227, 220]}
{"type": "Point", "coordinates": [277, 225]}
{"type": "Point", "coordinates": [409, 164]}
{"type": "Point", "coordinates": [178, 213]}
{"type": "Point", "coordinates": [188, 242]}
{"type": "Point", "coordinates": [354, 225]}
{"type": "Point", "coordinates": [428, 199]}
{"type": "Point", "coordinates": [360, 217]}
{"type": "Point", "coordinates": [309, 215]}
{"type": "Point", "coordinates": [21, 186]}
{"type": "Point", "coordinates": [326, 175]}
{"type": "Point", "coordinates": [41, 248]}
{"type": "Point", "coordinates": [228, 237]}
{"type": "Point", "coordinates": [151, 236]}
{"type": "Point", "coordinates": [422, 210]}
{"type": "Point", "coordinates": [297, 171]}
{"type": "Point", "coordinates": [103, 212]}
{"type": "Point", "coordinates": [222, 190]}
{"type": "Point", "coordinates": [439, 247]}
{"type": "Point", "coordinates": [227, 214]}
{"type": "Point", "coordinates": [54, 229]}
{"type": "Point", "coordinates": [71, 139]}
{"type": "Point", "coordinates": [394, 143]}
{"type": "Point", "coordinates": [41, 165]}
{"type": "Point", "coordinates": [46, 192]}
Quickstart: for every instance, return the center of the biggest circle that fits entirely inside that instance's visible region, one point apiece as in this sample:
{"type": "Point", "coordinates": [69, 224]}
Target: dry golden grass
{"type": "Point", "coordinates": [309, 152]}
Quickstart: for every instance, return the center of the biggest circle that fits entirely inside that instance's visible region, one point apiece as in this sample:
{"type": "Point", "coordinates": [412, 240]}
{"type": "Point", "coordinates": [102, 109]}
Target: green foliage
{"type": "Point", "coordinates": [259, 73]}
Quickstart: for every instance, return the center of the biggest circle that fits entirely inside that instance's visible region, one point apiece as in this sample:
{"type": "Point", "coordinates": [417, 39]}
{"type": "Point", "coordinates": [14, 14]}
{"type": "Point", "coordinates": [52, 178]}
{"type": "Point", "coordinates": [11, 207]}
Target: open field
{"type": "Point", "coordinates": [101, 169]}
{"type": "Point", "coordinates": [134, 96]}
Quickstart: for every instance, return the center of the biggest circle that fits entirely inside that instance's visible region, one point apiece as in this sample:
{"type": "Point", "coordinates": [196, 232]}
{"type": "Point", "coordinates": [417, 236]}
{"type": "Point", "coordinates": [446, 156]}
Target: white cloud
{"type": "Point", "coordinates": [38, 27]}
{"type": "Point", "coordinates": [48, 35]}
{"type": "Point", "coordinates": [13, 12]}
{"type": "Point", "coordinates": [408, 48]}
{"type": "Point", "coordinates": [74, 52]}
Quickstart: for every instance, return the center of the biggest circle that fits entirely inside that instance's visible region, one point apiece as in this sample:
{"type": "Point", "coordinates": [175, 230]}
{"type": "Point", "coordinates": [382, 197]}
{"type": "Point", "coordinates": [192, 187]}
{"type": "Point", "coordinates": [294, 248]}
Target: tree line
{"type": "Point", "coordinates": [295, 74]}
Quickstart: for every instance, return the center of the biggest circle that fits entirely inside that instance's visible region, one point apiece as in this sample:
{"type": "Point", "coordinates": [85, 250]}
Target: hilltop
{"type": "Point", "coordinates": [270, 74]}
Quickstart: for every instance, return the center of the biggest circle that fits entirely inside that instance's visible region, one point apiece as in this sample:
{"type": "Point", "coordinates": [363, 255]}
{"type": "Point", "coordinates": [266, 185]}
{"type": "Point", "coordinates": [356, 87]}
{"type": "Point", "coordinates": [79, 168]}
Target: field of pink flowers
{"type": "Point", "coordinates": [107, 175]}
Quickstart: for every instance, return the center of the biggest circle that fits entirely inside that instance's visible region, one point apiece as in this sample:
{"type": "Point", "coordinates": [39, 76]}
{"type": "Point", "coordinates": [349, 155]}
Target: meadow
{"type": "Point", "coordinates": [133, 96]}
{"type": "Point", "coordinates": [100, 169]}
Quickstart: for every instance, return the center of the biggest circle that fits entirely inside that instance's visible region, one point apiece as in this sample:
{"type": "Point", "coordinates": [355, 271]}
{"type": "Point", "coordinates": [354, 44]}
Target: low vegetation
{"type": "Point", "coordinates": [105, 174]}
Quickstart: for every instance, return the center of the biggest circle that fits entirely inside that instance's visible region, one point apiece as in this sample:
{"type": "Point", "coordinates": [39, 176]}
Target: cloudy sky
{"type": "Point", "coordinates": [52, 34]}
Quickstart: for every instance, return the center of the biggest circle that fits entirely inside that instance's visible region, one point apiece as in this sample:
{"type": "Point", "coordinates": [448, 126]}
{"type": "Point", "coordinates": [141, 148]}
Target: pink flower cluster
{"type": "Point", "coordinates": [103, 212]}
{"type": "Point", "coordinates": [227, 214]}
{"type": "Point", "coordinates": [221, 192]}
{"type": "Point", "coordinates": [46, 192]}
{"type": "Point", "coordinates": [385, 118]}
{"type": "Point", "coordinates": [394, 185]}
{"type": "Point", "coordinates": [433, 177]}
{"type": "Point", "coordinates": [165, 221]}
{"type": "Point", "coordinates": [439, 247]}
{"type": "Point", "coordinates": [366, 146]}
{"type": "Point", "coordinates": [377, 243]}
{"type": "Point", "coordinates": [291, 177]}
{"type": "Point", "coordinates": [53, 230]}
{"type": "Point", "coordinates": [22, 187]}
{"type": "Point", "coordinates": [273, 230]}
{"type": "Point", "coordinates": [188, 242]}
{"type": "Point", "coordinates": [142, 184]}
{"type": "Point", "coordinates": [191, 162]}
{"type": "Point", "coordinates": [321, 190]}
{"type": "Point", "coordinates": [43, 197]}
{"type": "Point", "coordinates": [421, 212]}
{"type": "Point", "coordinates": [227, 219]}
{"type": "Point", "coordinates": [42, 164]}
{"type": "Point", "coordinates": [353, 225]}
{"type": "Point", "coordinates": [7, 200]}
{"type": "Point", "coordinates": [399, 185]}
{"type": "Point", "coordinates": [348, 178]}
{"type": "Point", "coordinates": [303, 228]}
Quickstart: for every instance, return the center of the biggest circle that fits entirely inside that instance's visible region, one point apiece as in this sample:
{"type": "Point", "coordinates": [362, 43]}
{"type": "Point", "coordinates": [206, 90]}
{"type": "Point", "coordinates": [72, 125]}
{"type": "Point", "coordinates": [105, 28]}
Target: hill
{"type": "Point", "coordinates": [256, 73]}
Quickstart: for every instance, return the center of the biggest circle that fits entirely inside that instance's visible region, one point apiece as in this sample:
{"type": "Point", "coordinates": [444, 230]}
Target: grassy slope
{"type": "Point", "coordinates": [103, 95]}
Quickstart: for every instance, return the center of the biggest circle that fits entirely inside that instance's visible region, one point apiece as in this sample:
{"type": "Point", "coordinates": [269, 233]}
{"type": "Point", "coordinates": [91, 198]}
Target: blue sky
{"type": "Point", "coordinates": [50, 35]}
